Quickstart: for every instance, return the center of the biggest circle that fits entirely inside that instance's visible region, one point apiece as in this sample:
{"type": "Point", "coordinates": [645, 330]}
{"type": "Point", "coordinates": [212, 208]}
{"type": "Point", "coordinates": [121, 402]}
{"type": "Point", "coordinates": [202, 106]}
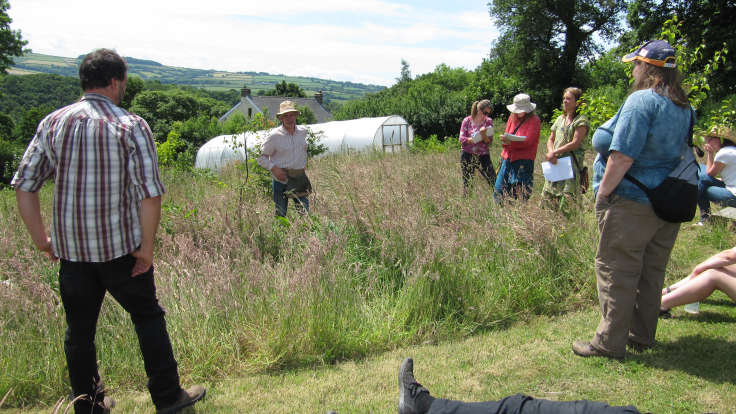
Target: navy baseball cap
{"type": "Point", "coordinates": [655, 52]}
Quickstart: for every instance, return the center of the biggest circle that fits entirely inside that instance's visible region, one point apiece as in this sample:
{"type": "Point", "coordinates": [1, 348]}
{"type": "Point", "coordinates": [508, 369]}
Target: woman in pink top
{"type": "Point", "coordinates": [519, 143]}
{"type": "Point", "coordinates": [476, 134]}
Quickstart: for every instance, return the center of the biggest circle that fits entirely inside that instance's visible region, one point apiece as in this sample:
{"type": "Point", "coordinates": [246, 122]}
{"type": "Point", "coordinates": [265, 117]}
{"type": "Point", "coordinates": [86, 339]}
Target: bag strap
{"type": "Point", "coordinates": [575, 159]}
{"type": "Point", "coordinates": [520, 123]}
{"type": "Point", "coordinates": [689, 143]}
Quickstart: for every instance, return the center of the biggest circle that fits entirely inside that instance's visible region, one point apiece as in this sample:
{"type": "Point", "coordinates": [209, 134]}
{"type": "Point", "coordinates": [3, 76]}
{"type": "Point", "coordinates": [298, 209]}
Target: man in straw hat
{"type": "Point", "coordinates": [285, 155]}
{"type": "Point", "coordinates": [720, 149]}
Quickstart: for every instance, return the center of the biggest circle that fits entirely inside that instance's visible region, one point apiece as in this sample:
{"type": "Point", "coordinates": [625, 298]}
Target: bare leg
{"type": "Point", "coordinates": [700, 287]}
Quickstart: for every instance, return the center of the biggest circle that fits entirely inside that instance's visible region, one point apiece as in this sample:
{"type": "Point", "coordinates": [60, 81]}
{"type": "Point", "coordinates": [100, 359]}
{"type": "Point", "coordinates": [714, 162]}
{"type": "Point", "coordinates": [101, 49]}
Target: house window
{"type": "Point", "coordinates": [250, 112]}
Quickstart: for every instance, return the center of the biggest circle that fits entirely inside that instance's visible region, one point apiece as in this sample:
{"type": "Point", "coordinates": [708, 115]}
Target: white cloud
{"type": "Point", "coordinates": [357, 41]}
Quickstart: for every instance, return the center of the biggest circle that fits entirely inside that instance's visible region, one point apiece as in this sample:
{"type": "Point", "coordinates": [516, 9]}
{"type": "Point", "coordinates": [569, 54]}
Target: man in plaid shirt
{"type": "Point", "coordinates": [106, 209]}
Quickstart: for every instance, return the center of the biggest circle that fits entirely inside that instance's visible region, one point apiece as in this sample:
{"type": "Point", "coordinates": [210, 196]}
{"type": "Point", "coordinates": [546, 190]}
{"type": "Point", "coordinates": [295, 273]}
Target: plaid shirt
{"type": "Point", "coordinates": [104, 162]}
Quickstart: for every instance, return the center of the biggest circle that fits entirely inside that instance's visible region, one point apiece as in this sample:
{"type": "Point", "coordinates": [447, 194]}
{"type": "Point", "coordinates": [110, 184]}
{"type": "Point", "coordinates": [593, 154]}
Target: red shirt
{"type": "Point", "coordinates": [522, 150]}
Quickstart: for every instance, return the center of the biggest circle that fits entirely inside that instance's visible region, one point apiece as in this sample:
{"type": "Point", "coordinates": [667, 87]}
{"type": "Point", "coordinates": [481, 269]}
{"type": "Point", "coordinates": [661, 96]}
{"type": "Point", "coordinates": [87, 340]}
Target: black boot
{"type": "Point", "coordinates": [413, 398]}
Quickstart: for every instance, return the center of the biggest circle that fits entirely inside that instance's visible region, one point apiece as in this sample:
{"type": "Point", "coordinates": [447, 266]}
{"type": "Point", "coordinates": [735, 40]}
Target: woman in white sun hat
{"type": "Point", "coordinates": [519, 143]}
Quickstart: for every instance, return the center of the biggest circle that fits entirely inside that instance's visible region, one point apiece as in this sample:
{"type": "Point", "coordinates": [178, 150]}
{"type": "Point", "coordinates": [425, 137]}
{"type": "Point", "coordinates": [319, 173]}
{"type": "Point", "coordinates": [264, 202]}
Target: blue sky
{"type": "Point", "coordinates": [360, 41]}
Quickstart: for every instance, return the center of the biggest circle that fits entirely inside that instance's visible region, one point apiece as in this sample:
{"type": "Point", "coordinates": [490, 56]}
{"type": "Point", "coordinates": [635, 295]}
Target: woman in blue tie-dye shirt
{"type": "Point", "coordinates": [645, 140]}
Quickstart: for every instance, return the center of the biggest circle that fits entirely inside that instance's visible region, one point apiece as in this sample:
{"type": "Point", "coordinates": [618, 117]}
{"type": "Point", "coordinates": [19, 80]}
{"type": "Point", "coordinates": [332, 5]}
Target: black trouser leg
{"type": "Point", "coordinates": [522, 404]}
{"type": "Point", "coordinates": [468, 164]}
{"type": "Point", "coordinates": [82, 295]}
{"type": "Point", "coordinates": [486, 169]}
{"type": "Point", "coordinates": [137, 295]}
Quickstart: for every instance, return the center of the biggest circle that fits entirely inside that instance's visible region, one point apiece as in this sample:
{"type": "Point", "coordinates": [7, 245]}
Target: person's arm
{"type": "Point", "coordinates": [487, 138]}
{"type": "Point", "coordinates": [712, 168]}
{"type": "Point", "coordinates": [724, 258]}
{"type": "Point", "coordinates": [464, 133]}
{"type": "Point", "coordinates": [551, 148]}
{"type": "Point", "coordinates": [264, 160]}
{"type": "Point", "coordinates": [29, 206]}
{"type": "Point", "coordinates": [616, 167]}
{"type": "Point", "coordinates": [577, 140]}
{"type": "Point", "coordinates": [150, 216]}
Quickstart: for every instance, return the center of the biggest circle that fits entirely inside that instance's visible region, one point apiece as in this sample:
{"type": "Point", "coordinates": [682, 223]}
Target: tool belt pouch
{"type": "Point", "coordinates": [297, 184]}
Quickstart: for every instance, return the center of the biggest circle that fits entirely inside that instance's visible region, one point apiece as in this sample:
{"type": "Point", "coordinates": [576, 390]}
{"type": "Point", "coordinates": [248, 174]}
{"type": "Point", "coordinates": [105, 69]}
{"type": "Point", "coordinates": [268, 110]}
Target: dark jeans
{"type": "Point", "coordinates": [712, 189]}
{"type": "Point", "coordinates": [469, 162]}
{"type": "Point", "coordinates": [282, 202]}
{"type": "Point", "coordinates": [522, 404]}
{"type": "Point", "coordinates": [514, 179]}
{"type": "Point", "coordinates": [83, 286]}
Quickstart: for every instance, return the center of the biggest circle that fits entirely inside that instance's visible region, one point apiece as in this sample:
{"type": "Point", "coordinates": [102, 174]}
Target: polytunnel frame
{"type": "Point", "coordinates": [390, 145]}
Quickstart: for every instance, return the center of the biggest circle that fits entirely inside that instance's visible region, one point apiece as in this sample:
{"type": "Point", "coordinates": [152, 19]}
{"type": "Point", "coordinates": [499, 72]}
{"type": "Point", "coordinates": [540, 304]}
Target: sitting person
{"type": "Point", "coordinates": [415, 399]}
{"type": "Point", "coordinates": [720, 159]}
{"type": "Point", "coordinates": [718, 272]}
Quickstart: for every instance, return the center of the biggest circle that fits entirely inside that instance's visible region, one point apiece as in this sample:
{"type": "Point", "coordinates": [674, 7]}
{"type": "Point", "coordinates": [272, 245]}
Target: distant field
{"type": "Point", "coordinates": [199, 78]}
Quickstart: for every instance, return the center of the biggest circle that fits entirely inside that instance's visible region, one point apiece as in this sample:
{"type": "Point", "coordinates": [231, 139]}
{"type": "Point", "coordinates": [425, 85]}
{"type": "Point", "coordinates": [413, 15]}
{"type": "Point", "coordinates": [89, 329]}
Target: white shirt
{"type": "Point", "coordinates": [727, 155]}
{"type": "Point", "coordinates": [285, 150]}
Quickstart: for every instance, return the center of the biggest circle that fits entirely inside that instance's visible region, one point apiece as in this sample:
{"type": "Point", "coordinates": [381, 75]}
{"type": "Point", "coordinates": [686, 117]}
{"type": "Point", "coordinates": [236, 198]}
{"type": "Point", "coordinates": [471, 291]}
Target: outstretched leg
{"type": "Point", "coordinates": [701, 286]}
{"type": "Point", "coordinates": [415, 399]}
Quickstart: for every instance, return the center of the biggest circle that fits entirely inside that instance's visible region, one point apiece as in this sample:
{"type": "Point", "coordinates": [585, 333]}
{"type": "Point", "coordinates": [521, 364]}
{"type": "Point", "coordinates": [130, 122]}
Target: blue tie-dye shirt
{"type": "Point", "coordinates": [649, 128]}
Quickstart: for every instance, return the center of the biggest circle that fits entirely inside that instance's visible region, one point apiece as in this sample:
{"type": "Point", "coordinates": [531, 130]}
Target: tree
{"type": "Point", "coordinates": [286, 89]}
{"type": "Point", "coordinates": [544, 41]}
{"type": "Point", "coordinates": [26, 128]}
{"type": "Point", "coordinates": [306, 117]}
{"type": "Point", "coordinates": [11, 43]}
{"type": "Point", "coordinates": [162, 108]}
{"type": "Point", "coordinates": [707, 22]}
{"type": "Point", "coordinates": [434, 103]}
{"type": "Point", "coordinates": [405, 72]}
{"type": "Point", "coordinates": [134, 86]}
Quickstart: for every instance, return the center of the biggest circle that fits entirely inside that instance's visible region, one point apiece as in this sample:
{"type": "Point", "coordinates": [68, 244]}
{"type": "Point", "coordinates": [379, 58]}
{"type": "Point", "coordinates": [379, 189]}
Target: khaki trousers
{"type": "Point", "coordinates": [633, 252]}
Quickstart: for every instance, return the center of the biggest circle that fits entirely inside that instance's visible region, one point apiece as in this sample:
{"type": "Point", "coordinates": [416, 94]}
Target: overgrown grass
{"type": "Point", "coordinates": [391, 255]}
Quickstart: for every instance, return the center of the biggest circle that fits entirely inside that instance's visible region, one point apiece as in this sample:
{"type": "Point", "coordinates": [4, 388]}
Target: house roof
{"type": "Point", "coordinates": [271, 103]}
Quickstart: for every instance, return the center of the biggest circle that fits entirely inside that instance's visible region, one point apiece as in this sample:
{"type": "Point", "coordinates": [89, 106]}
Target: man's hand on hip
{"type": "Point", "coordinates": [143, 262]}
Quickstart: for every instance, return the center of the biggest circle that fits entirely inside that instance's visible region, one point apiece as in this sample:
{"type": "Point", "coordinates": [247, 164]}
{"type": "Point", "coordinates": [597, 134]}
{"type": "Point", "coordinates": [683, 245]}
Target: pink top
{"type": "Point", "coordinates": [522, 150]}
{"type": "Point", "coordinates": [468, 129]}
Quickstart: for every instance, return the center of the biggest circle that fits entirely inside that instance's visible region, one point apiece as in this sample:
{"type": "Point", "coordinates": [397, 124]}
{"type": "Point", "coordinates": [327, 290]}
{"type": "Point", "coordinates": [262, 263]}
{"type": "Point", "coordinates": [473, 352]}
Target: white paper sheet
{"type": "Point", "coordinates": [512, 137]}
{"type": "Point", "coordinates": [558, 172]}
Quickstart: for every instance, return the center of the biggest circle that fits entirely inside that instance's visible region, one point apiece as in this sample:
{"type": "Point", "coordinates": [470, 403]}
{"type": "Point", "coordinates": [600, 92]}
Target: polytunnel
{"type": "Point", "coordinates": [388, 133]}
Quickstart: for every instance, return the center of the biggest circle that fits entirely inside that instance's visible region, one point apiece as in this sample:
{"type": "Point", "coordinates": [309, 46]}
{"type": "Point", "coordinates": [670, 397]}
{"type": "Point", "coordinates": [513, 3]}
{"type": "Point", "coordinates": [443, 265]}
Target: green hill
{"type": "Point", "coordinates": [199, 78]}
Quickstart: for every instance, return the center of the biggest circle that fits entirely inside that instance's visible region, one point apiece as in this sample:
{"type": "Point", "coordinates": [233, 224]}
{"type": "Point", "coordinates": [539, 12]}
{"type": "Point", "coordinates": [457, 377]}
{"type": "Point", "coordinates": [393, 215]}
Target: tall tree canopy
{"type": "Point", "coordinates": [285, 89]}
{"type": "Point", "coordinates": [11, 43]}
{"type": "Point", "coordinates": [706, 21]}
{"type": "Point", "coordinates": [543, 41]}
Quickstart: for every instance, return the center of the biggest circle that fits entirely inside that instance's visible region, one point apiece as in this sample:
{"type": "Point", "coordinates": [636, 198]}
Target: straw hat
{"type": "Point", "coordinates": [720, 131]}
{"type": "Point", "coordinates": [286, 107]}
{"type": "Point", "coordinates": [522, 103]}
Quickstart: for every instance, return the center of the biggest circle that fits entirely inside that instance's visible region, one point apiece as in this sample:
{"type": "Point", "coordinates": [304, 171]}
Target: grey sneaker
{"type": "Point", "coordinates": [413, 398]}
{"type": "Point", "coordinates": [186, 398]}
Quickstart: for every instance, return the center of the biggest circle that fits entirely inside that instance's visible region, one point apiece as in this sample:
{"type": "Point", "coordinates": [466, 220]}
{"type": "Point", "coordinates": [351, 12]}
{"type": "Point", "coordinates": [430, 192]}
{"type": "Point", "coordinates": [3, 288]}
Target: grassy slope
{"type": "Point", "coordinates": [198, 78]}
{"type": "Point", "coordinates": [690, 371]}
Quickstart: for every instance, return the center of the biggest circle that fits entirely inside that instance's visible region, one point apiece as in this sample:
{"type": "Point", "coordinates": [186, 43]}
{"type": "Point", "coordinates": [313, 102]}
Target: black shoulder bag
{"type": "Point", "coordinates": [676, 199]}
